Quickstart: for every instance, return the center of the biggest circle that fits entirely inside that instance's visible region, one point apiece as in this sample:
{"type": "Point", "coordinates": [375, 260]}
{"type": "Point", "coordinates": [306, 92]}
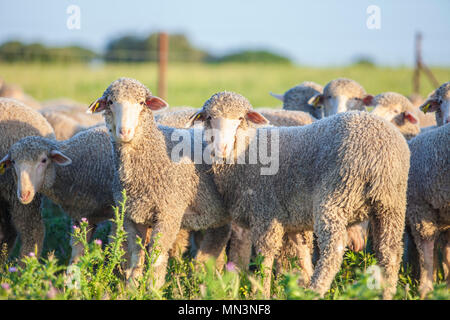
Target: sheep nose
{"type": "Point", "coordinates": [25, 195]}
{"type": "Point", "coordinates": [125, 132]}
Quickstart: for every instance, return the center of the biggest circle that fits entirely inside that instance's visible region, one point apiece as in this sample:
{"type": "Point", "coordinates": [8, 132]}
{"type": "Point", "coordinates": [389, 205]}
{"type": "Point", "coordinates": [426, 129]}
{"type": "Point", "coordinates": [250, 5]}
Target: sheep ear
{"type": "Point", "coordinates": [60, 158]}
{"type": "Point", "coordinates": [256, 117]}
{"type": "Point", "coordinates": [368, 100]}
{"type": "Point", "coordinates": [97, 106]}
{"type": "Point", "coordinates": [277, 96]}
{"type": "Point", "coordinates": [410, 117]}
{"type": "Point", "coordinates": [316, 100]}
{"type": "Point", "coordinates": [198, 116]}
{"type": "Point", "coordinates": [5, 163]}
{"type": "Point", "coordinates": [431, 105]}
{"type": "Point", "coordinates": [156, 103]}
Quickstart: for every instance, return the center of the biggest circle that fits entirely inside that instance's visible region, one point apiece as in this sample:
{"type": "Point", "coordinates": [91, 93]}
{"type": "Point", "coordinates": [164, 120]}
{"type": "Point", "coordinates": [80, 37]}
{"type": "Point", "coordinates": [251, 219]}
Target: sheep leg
{"type": "Point", "coordinates": [8, 234]}
{"type": "Point", "coordinates": [181, 244]}
{"type": "Point", "coordinates": [213, 245]}
{"type": "Point", "coordinates": [331, 240]}
{"type": "Point", "coordinates": [166, 230]}
{"type": "Point", "coordinates": [240, 246]}
{"type": "Point", "coordinates": [446, 257]}
{"type": "Point", "coordinates": [135, 254]}
{"type": "Point", "coordinates": [28, 222]}
{"type": "Point", "coordinates": [268, 239]}
{"type": "Point", "coordinates": [302, 244]}
{"type": "Point", "coordinates": [387, 235]}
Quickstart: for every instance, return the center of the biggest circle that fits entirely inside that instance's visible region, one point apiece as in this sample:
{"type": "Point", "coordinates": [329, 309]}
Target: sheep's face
{"type": "Point", "coordinates": [439, 103]}
{"type": "Point", "coordinates": [221, 131]}
{"type": "Point", "coordinates": [33, 167]}
{"type": "Point", "coordinates": [341, 95]}
{"type": "Point", "coordinates": [123, 103]}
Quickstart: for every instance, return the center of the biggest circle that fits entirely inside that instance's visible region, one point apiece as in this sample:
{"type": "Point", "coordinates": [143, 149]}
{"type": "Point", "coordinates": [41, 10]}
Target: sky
{"type": "Point", "coordinates": [316, 33]}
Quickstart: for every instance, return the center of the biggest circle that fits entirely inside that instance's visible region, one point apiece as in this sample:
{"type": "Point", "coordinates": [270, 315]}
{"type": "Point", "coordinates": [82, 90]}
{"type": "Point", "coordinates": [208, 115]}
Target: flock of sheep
{"type": "Point", "coordinates": [342, 172]}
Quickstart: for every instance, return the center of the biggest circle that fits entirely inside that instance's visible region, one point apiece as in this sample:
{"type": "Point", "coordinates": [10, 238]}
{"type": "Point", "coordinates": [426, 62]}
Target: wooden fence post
{"type": "Point", "coordinates": [163, 57]}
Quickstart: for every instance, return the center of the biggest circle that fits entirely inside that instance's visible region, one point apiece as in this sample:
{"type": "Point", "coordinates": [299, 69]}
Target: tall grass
{"type": "Point", "coordinates": [99, 274]}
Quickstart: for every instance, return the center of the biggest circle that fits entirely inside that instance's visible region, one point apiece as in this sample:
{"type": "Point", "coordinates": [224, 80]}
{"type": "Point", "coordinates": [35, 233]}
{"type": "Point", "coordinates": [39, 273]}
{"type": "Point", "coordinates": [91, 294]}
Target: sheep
{"type": "Point", "coordinates": [297, 98]}
{"type": "Point", "coordinates": [334, 172]}
{"type": "Point", "coordinates": [162, 193]}
{"type": "Point", "coordinates": [341, 95]}
{"type": "Point", "coordinates": [17, 121]}
{"type": "Point", "coordinates": [425, 119]}
{"type": "Point", "coordinates": [12, 91]}
{"type": "Point", "coordinates": [68, 117]}
{"type": "Point", "coordinates": [397, 109]}
{"type": "Point", "coordinates": [439, 102]}
{"type": "Point", "coordinates": [76, 174]}
{"type": "Point", "coordinates": [428, 209]}
{"type": "Point", "coordinates": [240, 243]}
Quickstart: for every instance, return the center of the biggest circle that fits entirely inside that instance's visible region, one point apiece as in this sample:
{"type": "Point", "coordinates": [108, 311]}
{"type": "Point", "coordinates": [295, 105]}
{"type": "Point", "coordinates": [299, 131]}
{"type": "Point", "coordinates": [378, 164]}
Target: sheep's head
{"type": "Point", "coordinates": [341, 95]}
{"type": "Point", "coordinates": [122, 103]}
{"type": "Point", "coordinates": [439, 102]}
{"type": "Point", "coordinates": [33, 160]}
{"type": "Point", "coordinates": [394, 108]}
{"type": "Point", "coordinates": [222, 115]}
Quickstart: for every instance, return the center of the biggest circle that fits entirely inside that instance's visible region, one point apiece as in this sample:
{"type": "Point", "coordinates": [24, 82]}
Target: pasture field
{"type": "Point", "coordinates": [98, 274]}
{"type": "Point", "coordinates": [193, 84]}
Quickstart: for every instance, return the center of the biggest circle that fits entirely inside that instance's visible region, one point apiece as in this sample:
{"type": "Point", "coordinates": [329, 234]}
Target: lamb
{"type": "Point", "coordinates": [397, 109]}
{"type": "Point", "coordinates": [334, 172]}
{"type": "Point", "coordinates": [341, 95]}
{"type": "Point", "coordinates": [76, 174]}
{"type": "Point", "coordinates": [428, 210]}
{"type": "Point", "coordinates": [439, 102]}
{"type": "Point", "coordinates": [12, 91]}
{"type": "Point", "coordinates": [162, 193]}
{"type": "Point", "coordinates": [297, 98]}
{"type": "Point", "coordinates": [17, 121]}
{"type": "Point", "coordinates": [425, 120]}
{"type": "Point", "coordinates": [68, 117]}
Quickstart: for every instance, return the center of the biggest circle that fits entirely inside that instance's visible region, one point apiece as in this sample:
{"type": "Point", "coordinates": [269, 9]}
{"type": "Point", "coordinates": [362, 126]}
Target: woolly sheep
{"type": "Point", "coordinates": [341, 95]}
{"type": "Point", "coordinates": [297, 98]}
{"type": "Point", "coordinates": [398, 110]}
{"type": "Point", "coordinates": [428, 210]}
{"type": "Point", "coordinates": [68, 117]}
{"type": "Point", "coordinates": [18, 121]}
{"type": "Point", "coordinates": [161, 193]}
{"type": "Point", "coordinates": [76, 174]}
{"type": "Point", "coordinates": [439, 102]}
{"type": "Point", "coordinates": [334, 172]}
{"type": "Point", "coordinates": [12, 91]}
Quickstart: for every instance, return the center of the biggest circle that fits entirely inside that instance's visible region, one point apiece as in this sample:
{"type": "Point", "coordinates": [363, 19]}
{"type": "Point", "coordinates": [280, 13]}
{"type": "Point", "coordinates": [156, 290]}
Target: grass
{"type": "Point", "coordinates": [193, 84]}
{"type": "Point", "coordinates": [99, 273]}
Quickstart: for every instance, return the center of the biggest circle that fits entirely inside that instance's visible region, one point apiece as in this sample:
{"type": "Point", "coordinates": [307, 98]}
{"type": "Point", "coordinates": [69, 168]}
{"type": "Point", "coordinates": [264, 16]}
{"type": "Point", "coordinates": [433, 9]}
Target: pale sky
{"type": "Point", "coordinates": [317, 33]}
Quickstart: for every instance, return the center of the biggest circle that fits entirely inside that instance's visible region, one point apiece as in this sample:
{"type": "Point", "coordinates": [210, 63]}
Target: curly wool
{"type": "Point", "coordinates": [160, 192]}
{"type": "Point", "coordinates": [18, 121]}
{"type": "Point", "coordinates": [334, 172]}
{"type": "Point", "coordinates": [297, 98]}
{"type": "Point", "coordinates": [388, 101]}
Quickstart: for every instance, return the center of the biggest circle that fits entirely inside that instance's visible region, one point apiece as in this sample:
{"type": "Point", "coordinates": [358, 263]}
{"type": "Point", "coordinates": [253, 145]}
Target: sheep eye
{"type": "Point", "coordinates": [44, 160]}
{"type": "Point", "coordinates": [209, 118]}
{"type": "Point", "coordinates": [142, 103]}
{"type": "Point", "coordinates": [109, 102]}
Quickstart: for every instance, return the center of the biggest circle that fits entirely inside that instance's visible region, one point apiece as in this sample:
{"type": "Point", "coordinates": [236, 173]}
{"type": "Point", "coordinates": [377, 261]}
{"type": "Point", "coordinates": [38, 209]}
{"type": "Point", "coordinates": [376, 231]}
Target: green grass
{"type": "Point", "coordinates": [193, 84]}
{"type": "Point", "coordinates": [99, 273]}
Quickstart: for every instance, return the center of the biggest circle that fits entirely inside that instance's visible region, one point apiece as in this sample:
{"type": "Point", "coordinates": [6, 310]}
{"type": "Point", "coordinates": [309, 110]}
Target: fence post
{"type": "Point", "coordinates": [163, 55]}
